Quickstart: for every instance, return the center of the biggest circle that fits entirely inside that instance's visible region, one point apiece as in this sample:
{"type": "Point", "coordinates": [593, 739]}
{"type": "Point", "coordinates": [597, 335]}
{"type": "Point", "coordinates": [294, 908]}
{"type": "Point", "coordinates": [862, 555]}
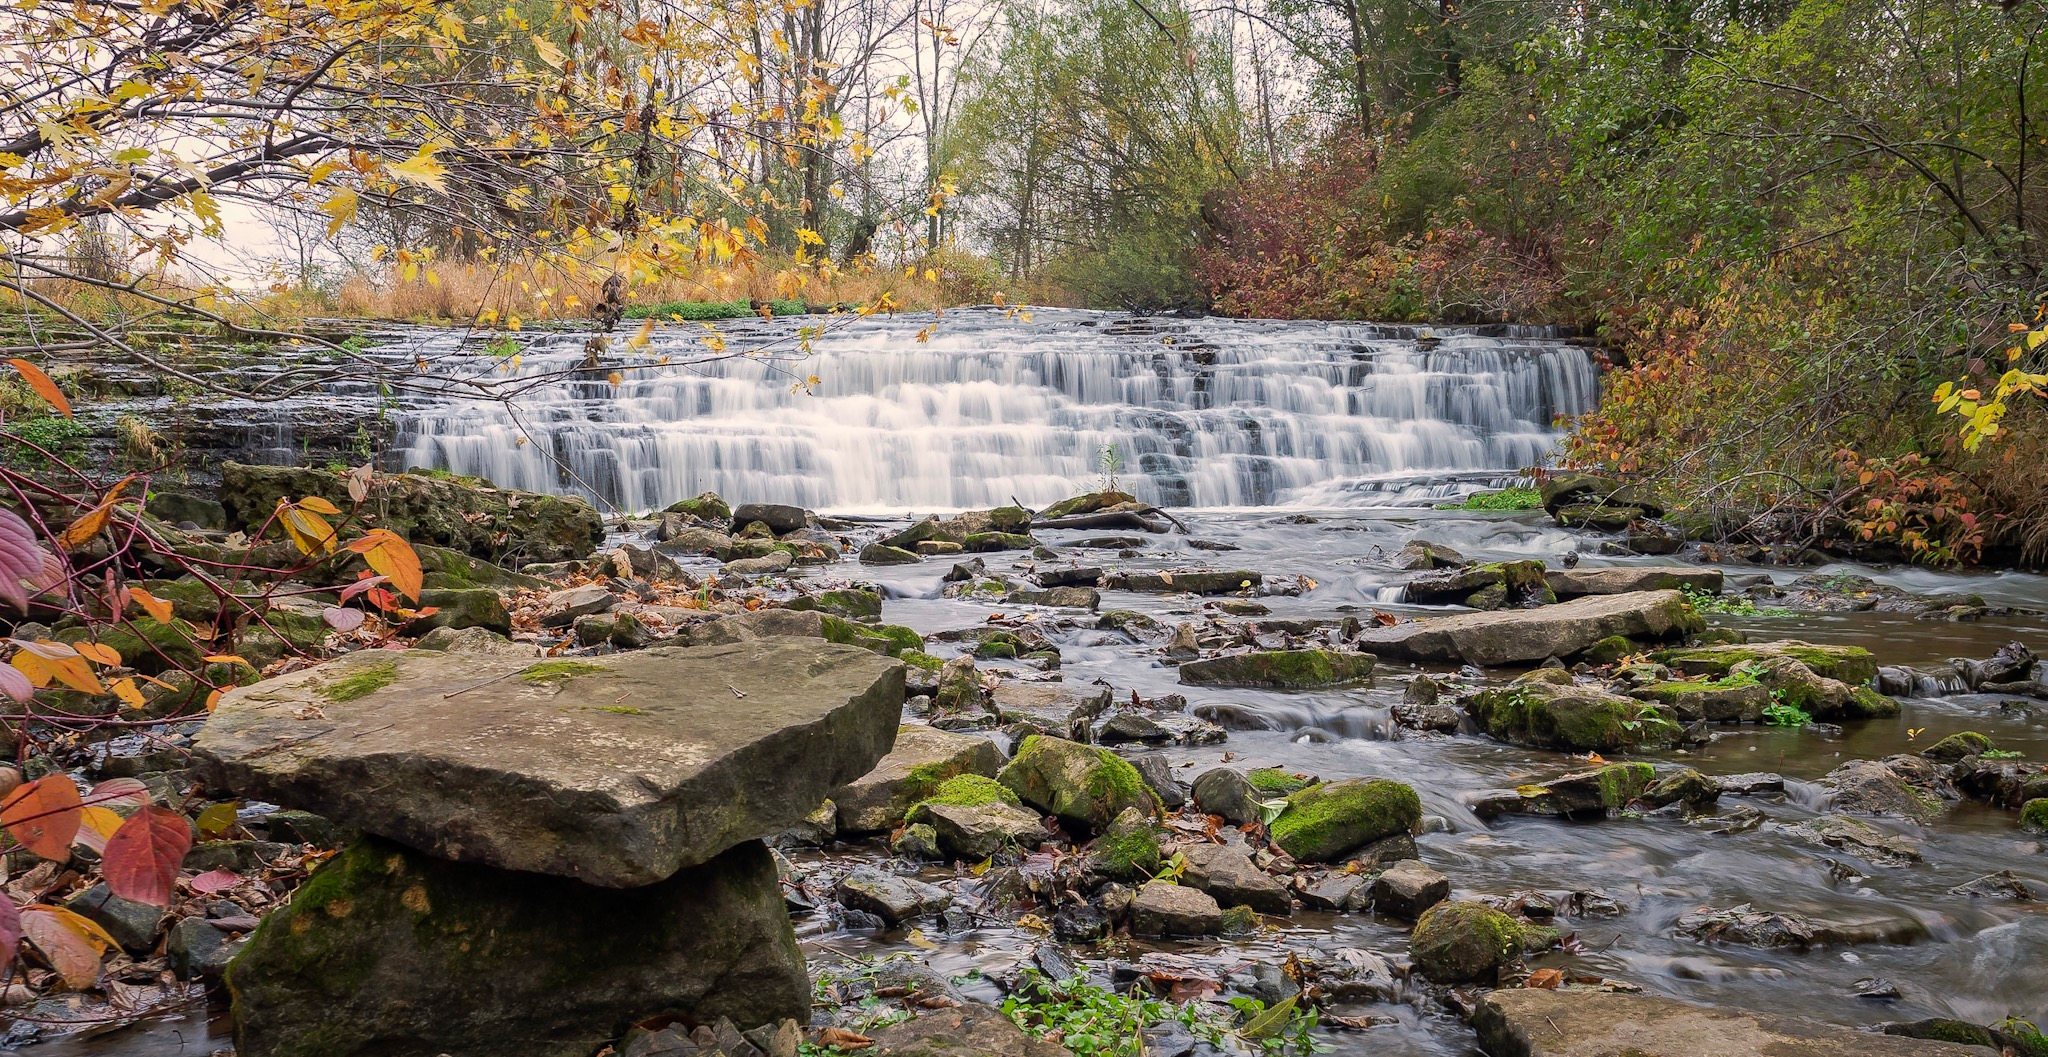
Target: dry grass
{"type": "Point", "coordinates": [460, 291]}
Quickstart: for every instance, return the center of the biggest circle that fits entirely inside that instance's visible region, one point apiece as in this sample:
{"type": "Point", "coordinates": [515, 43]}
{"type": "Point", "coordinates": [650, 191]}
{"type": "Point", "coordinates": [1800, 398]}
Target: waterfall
{"type": "Point", "coordinates": [1203, 412]}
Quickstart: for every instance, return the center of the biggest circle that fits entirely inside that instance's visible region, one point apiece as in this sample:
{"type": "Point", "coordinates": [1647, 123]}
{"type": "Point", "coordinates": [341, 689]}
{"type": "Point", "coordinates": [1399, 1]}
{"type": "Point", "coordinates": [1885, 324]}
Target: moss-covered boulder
{"type": "Point", "coordinates": [1531, 636]}
{"type": "Point", "coordinates": [1088, 503]}
{"type": "Point", "coordinates": [462, 514]}
{"type": "Point", "coordinates": [1325, 822]}
{"type": "Point", "coordinates": [1128, 850]}
{"type": "Point", "coordinates": [1730, 699]}
{"type": "Point", "coordinates": [922, 760]}
{"type": "Point", "coordinates": [973, 817]}
{"type": "Point", "coordinates": [883, 554]}
{"type": "Point", "coordinates": [2034, 816]}
{"type": "Point", "coordinates": [707, 507]}
{"type": "Point", "coordinates": [853, 603]}
{"type": "Point", "coordinates": [1083, 785]}
{"type": "Point", "coordinates": [1571, 718]}
{"type": "Point", "coordinates": [1958, 745]}
{"type": "Point", "coordinates": [385, 952]}
{"type": "Point", "coordinates": [1280, 670]}
{"type": "Point", "coordinates": [1850, 664]}
{"type": "Point", "coordinates": [1465, 942]}
{"type": "Point", "coordinates": [147, 645]}
{"type": "Point", "coordinates": [447, 568]}
{"type": "Point", "coordinates": [473, 607]}
{"type": "Point", "coordinates": [1581, 794]}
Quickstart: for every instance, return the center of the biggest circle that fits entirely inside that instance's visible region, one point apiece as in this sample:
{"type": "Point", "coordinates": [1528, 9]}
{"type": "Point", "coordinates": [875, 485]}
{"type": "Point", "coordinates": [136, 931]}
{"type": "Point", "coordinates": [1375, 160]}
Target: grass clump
{"type": "Point", "coordinates": [1504, 499]}
{"type": "Point", "coordinates": [551, 671]}
{"type": "Point", "coordinates": [360, 684]}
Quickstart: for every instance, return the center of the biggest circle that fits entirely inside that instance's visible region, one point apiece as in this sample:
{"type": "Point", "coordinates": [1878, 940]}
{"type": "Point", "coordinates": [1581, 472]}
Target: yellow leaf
{"type": "Point", "coordinates": [340, 210]}
{"type": "Point", "coordinates": [227, 658]}
{"type": "Point", "coordinates": [95, 825]}
{"type": "Point", "coordinates": [387, 553]}
{"type": "Point", "coordinates": [129, 693]}
{"type": "Point", "coordinates": [308, 530]}
{"type": "Point", "coordinates": [47, 662]}
{"type": "Point", "coordinates": [319, 506]}
{"type": "Point", "coordinates": [421, 168]}
{"type": "Point", "coordinates": [158, 609]}
{"type": "Point", "coordinates": [548, 52]}
{"type": "Point", "coordinates": [98, 653]}
{"type": "Point", "coordinates": [43, 386]}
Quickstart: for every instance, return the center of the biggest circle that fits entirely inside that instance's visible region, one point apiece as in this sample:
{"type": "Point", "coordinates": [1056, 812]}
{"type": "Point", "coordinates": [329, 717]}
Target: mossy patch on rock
{"type": "Point", "coordinates": [1850, 664]}
{"type": "Point", "coordinates": [1275, 781]}
{"type": "Point", "coordinates": [361, 682]}
{"type": "Point", "coordinates": [1573, 719]}
{"type": "Point", "coordinates": [853, 603]}
{"type": "Point", "coordinates": [1083, 785]}
{"type": "Point", "coordinates": [2034, 816]}
{"type": "Point", "coordinates": [1128, 850]}
{"type": "Point", "coordinates": [970, 790]}
{"type": "Point", "coordinates": [556, 671]}
{"type": "Point", "coordinates": [1324, 822]}
{"type": "Point", "coordinates": [1958, 745]}
{"type": "Point", "coordinates": [1464, 942]}
{"type": "Point", "coordinates": [1280, 669]}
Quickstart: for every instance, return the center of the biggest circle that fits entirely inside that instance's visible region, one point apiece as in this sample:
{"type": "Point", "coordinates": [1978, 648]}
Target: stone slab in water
{"type": "Point", "coordinates": [385, 952]}
{"type": "Point", "coordinates": [1622, 579]}
{"type": "Point", "coordinates": [1568, 1023]}
{"type": "Point", "coordinates": [1528, 636]}
{"type": "Point", "coordinates": [616, 770]}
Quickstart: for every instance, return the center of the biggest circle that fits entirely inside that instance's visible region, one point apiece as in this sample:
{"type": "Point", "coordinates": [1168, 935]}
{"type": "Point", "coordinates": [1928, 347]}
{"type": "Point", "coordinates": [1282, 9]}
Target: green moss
{"type": "Point", "coordinates": [1623, 782]}
{"type": "Point", "coordinates": [1129, 849]}
{"type": "Point", "coordinates": [971, 790]}
{"type": "Point", "coordinates": [1239, 920]}
{"type": "Point", "coordinates": [901, 640]}
{"type": "Point", "coordinates": [1865, 703]}
{"type": "Point", "coordinates": [550, 671]}
{"type": "Point", "coordinates": [1086, 785]}
{"type": "Point", "coordinates": [1274, 781]}
{"type": "Point", "coordinates": [1851, 664]}
{"type": "Point", "coordinates": [1323, 822]}
{"type": "Point", "coordinates": [622, 710]}
{"type": "Point", "coordinates": [1504, 499]}
{"type": "Point", "coordinates": [1958, 745]}
{"type": "Point", "coordinates": [2034, 816]}
{"type": "Point", "coordinates": [366, 680]}
{"type": "Point", "coordinates": [921, 659]}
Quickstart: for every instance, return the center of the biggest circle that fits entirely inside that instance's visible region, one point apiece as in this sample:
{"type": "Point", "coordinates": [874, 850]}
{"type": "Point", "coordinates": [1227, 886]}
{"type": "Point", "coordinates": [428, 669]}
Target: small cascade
{"type": "Point", "coordinates": [990, 409]}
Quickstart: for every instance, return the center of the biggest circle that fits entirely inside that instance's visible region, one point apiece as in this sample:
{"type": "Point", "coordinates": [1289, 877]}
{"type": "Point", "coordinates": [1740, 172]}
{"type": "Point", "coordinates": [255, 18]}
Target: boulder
{"type": "Point", "coordinates": [135, 926]}
{"type": "Point", "coordinates": [967, 1030]}
{"type": "Point", "coordinates": [1087, 503]}
{"type": "Point", "coordinates": [1280, 670]}
{"type": "Point", "coordinates": [885, 895]}
{"type": "Point", "coordinates": [973, 832]}
{"type": "Point", "coordinates": [1423, 554]}
{"type": "Point", "coordinates": [458, 609]}
{"type": "Point", "coordinates": [697, 539]}
{"type": "Point", "coordinates": [1407, 889]}
{"type": "Point", "coordinates": [1770, 929]}
{"type": "Point", "coordinates": [462, 514]}
{"type": "Point", "coordinates": [1567, 488]}
{"type": "Point", "coordinates": [1084, 786]}
{"type": "Point", "coordinates": [1228, 875]}
{"type": "Point", "coordinates": [1596, 792]}
{"type": "Point", "coordinates": [1052, 708]}
{"type": "Point", "coordinates": [1853, 665]}
{"type": "Point", "coordinates": [197, 949]}
{"type": "Point", "coordinates": [617, 770]}
{"type": "Point", "coordinates": [385, 952]}
{"type": "Point", "coordinates": [922, 758]}
{"type": "Point", "coordinates": [1057, 597]}
{"type": "Point", "coordinates": [1157, 771]}
{"type": "Point", "coordinates": [883, 554]}
{"type": "Point", "coordinates": [1571, 718]}
{"type": "Point", "coordinates": [1226, 792]}
{"type": "Point", "coordinates": [1958, 745]}
{"type": "Point", "coordinates": [765, 565]}
{"type": "Point", "coordinates": [1127, 850]}
{"type": "Point", "coordinates": [1624, 579]}
{"type": "Point", "coordinates": [1463, 942]}
{"type": "Point", "coordinates": [707, 507]}
{"type": "Point", "coordinates": [1325, 822]}
{"type": "Point", "coordinates": [1527, 636]}
{"type": "Point", "coordinates": [1716, 701]}
{"type": "Point", "coordinates": [1570, 1022]}
{"type": "Point", "coordinates": [1162, 908]}
{"type": "Point", "coordinates": [780, 518]}
{"type": "Point", "coordinates": [1187, 581]}
{"type": "Point", "coordinates": [1872, 787]}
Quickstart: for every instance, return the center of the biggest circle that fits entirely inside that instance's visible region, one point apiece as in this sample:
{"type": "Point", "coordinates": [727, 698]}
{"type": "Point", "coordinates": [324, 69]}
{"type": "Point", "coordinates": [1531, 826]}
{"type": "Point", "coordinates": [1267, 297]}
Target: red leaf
{"type": "Point", "coordinates": [10, 933]}
{"type": "Point", "coordinates": [44, 815]}
{"type": "Point", "coordinates": [143, 856]}
{"type": "Point", "coordinates": [215, 881]}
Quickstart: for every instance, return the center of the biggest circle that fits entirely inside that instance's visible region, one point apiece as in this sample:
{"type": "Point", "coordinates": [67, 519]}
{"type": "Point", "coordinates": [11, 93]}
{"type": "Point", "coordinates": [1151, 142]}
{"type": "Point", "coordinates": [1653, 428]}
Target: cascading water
{"type": "Point", "coordinates": [1202, 412]}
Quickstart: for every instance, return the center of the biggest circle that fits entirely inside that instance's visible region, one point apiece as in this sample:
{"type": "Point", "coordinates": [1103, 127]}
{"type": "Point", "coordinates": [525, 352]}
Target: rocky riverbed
{"type": "Point", "coordinates": [1260, 757]}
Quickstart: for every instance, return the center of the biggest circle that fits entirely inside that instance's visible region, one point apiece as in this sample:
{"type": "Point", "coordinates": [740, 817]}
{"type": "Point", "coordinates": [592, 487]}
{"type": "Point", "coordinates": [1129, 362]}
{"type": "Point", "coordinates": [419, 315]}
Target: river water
{"type": "Point", "coordinates": [1315, 449]}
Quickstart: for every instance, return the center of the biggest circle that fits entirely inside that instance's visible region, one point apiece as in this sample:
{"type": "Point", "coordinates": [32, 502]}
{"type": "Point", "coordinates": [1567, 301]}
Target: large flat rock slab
{"type": "Point", "coordinates": [1569, 1023]}
{"type": "Point", "coordinates": [1529, 636]}
{"type": "Point", "coordinates": [1622, 579]}
{"type": "Point", "coordinates": [616, 770]}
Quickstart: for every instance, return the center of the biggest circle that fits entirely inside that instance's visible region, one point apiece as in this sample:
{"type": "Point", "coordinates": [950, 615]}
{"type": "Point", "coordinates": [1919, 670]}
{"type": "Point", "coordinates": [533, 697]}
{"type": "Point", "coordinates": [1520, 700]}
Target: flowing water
{"type": "Point", "coordinates": [1203, 412]}
{"type": "Point", "coordinates": [1326, 439]}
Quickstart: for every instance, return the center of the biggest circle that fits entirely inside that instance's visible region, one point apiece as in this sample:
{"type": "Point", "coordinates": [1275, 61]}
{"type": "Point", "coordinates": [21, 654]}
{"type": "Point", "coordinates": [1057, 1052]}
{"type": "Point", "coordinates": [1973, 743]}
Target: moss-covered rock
{"type": "Point", "coordinates": [1127, 851]}
{"type": "Point", "coordinates": [2034, 816]}
{"type": "Point", "coordinates": [883, 554]}
{"type": "Point", "coordinates": [1280, 669]}
{"type": "Point", "coordinates": [970, 790]}
{"type": "Point", "coordinates": [447, 568]}
{"type": "Point", "coordinates": [1850, 664]}
{"type": "Point", "coordinates": [474, 607]}
{"type": "Point", "coordinates": [387, 952]}
{"type": "Point", "coordinates": [1609, 650]}
{"type": "Point", "coordinates": [1958, 745]}
{"type": "Point", "coordinates": [923, 762]}
{"type": "Point", "coordinates": [1087, 504]}
{"type": "Point", "coordinates": [1573, 719]}
{"type": "Point", "coordinates": [1465, 942]}
{"type": "Point", "coordinates": [853, 603]}
{"type": "Point", "coordinates": [988, 542]}
{"type": "Point", "coordinates": [707, 507]}
{"type": "Point", "coordinates": [147, 645]}
{"type": "Point", "coordinates": [1275, 781]}
{"type": "Point", "coordinates": [462, 514]}
{"type": "Point", "coordinates": [1325, 822]}
{"type": "Point", "coordinates": [1085, 786]}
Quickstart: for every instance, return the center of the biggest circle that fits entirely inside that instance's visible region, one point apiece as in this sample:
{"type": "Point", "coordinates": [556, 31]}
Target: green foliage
{"type": "Point", "coordinates": [705, 311]}
{"type": "Point", "coordinates": [61, 437]}
{"type": "Point", "coordinates": [1780, 714]}
{"type": "Point", "coordinates": [361, 683]}
{"type": "Point", "coordinates": [1504, 499]}
{"type": "Point", "coordinates": [1730, 605]}
{"type": "Point", "coordinates": [1094, 1021]}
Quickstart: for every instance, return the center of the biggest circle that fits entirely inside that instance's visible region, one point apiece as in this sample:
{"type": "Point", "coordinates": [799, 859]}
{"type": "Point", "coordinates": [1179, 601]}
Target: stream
{"type": "Point", "coordinates": [1313, 450]}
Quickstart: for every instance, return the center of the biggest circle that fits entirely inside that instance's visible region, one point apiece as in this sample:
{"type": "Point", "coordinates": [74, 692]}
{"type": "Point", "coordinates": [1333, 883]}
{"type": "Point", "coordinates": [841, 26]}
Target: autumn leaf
{"type": "Point", "coordinates": [119, 793]}
{"type": "Point", "coordinates": [158, 609]}
{"type": "Point", "coordinates": [215, 881]}
{"type": "Point", "coordinates": [44, 816]}
{"type": "Point", "coordinates": [217, 819]}
{"type": "Point", "coordinates": [10, 933]}
{"type": "Point", "coordinates": [42, 385]}
{"type": "Point", "coordinates": [340, 210]}
{"type": "Point", "coordinates": [143, 856]}
{"type": "Point", "coordinates": [23, 561]}
{"type": "Point", "coordinates": [99, 653]}
{"type": "Point", "coordinates": [95, 825]}
{"type": "Point", "coordinates": [421, 168]}
{"type": "Point", "coordinates": [342, 618]}
{"type": "Point", "coordinates": [309, 532]}
{"type": "Point", "coordinates": [45, 662]}
{"type": "Point", "coordinates": [73, 944]}
{"type": "Point", "coordinates": [388, 554]}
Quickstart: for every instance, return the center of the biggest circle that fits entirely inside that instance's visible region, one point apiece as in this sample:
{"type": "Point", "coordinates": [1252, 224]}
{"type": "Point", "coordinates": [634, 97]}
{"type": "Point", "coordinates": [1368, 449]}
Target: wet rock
{"type": "Point", "coordinates": [1408, 888]}
{"type": "Point", "coordinates": [1157, 771]}
{"type": "Point", "coordinates": [1422, 708]}
{"type": "Point", "coordinates": [1742, 702]}
{"type": "Point", "coordinates": [706, 507]}
{"type": "Point", "coordinates": [1127, 850]}
{"type": "Point", "coordinates": [1054, 708]}
{"type": "Point", "coordinates": [962, 1031]}
{"type": "Point", "coordinates": [2004, 884]}
{"type": "Point", "coordinates": [1454, 585]}
{"type": "Point", "coordinates": [1958, 745]}
{"type": "Point", "coordinates": [971, 833]}
{"type": "Point", "coordinates": [1280, 670]}
{"type": "Point", "coordinates": [883, 554]}
{"type": "Point", "coordinates": [918, 842]}
{"type": "Point", "coordinates": [697, 539]}
{"type": "Point", "coordinates": [1189, 581]}
{"type": "Point", "coordinates": [1853, 665]}
{"type": "Point", "coordinates": [1228, 875]}
{"type": "Point", "coordinates": [618, 770]}
{"type": "Point", "coordinates": [1163, 908]}
{"type": "Point", "coordinates": [1750, 927]}
{"type": "Point", "coordinates": [1622, 579]}
{"type": "Point", "coordinates": [780, 518]}
{"type": "Point", "coordinates": [1058, 597]}
{"type": "Point", "coordinates": [1070, 576]}
{"type": "Point", "coordinates": [1333, 892]}
{"type": "Point", "coordinates": [1533, 635]}
{"type": "Point", "coordinates": [197, 949]}
{"type": "Point", "coordinates": [1423, 554]}
{"type": "Point", "coordinates": [765, 565]}
{"type": "Point", "coordinates": [135, 926]}
{"type": "Point", "coordinates": [1572, 1022]}
{"type": "Point", "coordinates": [1683, 786]}
{"type": "Point", "coordinates": [1080, 923]}
{"type": "Point", "coordinates": [384, 952]}
{"type": "Point", "coordinates": [2034, 816]}
{"type": "Point", "coordinates": [889, 897]}
{"type": "Point", "coordinates": [1572, 718]}
{"type": "Point", "coordinates": [1325, 822]}
{"type": "Point", "coordinates": [1125, 727]}
{"type": "Point", "coordinates": [1955, 1034]}
{"type": "Point", "coordinates": [1597, 792]}
{"type": "Point", "coordinates": [1871, 787]}
{"type": "Point", "coordinates": [921, 758]}
{"type": "Point", "coordinates": [1464, 942]}
{"type": "Point", "coordinates": [1751, 783]}
{"type": "Point", "coordinates": [1859, 838]}
{"type": "Point", "coordinates": [1083, 785]}
{"type": "Point", "coordinates": [1226, 792]}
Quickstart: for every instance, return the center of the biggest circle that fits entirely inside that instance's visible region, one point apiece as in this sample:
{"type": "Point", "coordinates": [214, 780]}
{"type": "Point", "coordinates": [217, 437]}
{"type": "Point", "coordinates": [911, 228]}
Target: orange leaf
{"type": "Point", "coordinates": [44, 815]}
{"type": "Point", "coordinates": [42, 385]}
{"type": "Point", "coordinates": [319, 506]}
{"type": "Point", "coordinates": [143, 856]}
{"type": "Point", "coordinates": [89, 525]}
{"type": "Point", "coordinates": [44, 662]}
{"type": "Point", "coordinates": [129, 693]}
{"type": "Point", "coordinates": [73, 944]}
{"type": "Point", "coordinates": [158, 609]}
{"type": "Point", "coordinates": [387, 552]}
{"type": "Point", "coordinates": [98, 653]}
{"type": "Point", "coordinates": [228, 658]}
